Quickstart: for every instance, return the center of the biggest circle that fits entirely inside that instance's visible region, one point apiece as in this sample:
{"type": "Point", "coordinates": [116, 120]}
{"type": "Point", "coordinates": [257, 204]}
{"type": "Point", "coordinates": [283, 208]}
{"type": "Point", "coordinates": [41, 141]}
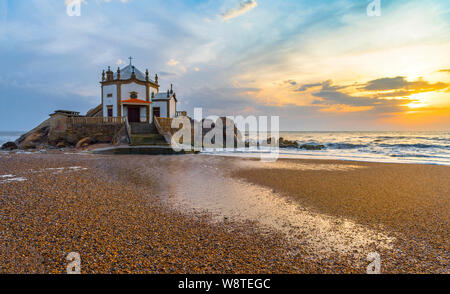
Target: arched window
{"type": "Point", "coordinates": [133, 95]}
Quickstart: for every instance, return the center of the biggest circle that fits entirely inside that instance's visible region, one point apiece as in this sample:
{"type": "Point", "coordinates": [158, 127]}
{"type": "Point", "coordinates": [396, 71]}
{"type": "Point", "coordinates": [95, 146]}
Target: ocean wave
{"type": "Point", "coordinates": [407, 147]}
{"type": "Point", "coordinates": [413, 155]}
{"type": "Point", "coordinates": [439, 139]}
{"type": "Point", "coordinates": [345, 146]}
{"type": "Point", "coordinates": [418, 145]}
{"type": "Point", "coordinates": [409, 138]}
{"type": "Point", "coordinates": [396, 137]}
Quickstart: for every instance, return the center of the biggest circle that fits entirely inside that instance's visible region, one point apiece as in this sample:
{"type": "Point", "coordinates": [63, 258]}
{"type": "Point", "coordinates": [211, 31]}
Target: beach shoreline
{"type": "Point", "coordinates": [163, 214]}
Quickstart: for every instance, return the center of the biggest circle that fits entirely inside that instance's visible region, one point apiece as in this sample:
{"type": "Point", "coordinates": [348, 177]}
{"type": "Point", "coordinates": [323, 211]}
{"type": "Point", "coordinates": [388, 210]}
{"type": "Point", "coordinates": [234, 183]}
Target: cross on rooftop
{"type": "Point", "coordinates": [130, 58]}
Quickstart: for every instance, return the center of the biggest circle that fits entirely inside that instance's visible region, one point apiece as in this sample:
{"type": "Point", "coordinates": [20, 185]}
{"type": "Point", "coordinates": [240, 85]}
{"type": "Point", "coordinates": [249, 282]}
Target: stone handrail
{"type": "Point", "coordinates": [165, 123]}
{"type": "Point", "coordinates": [167, 135]}
{"type": "Point", "coordinates": [128, 128]}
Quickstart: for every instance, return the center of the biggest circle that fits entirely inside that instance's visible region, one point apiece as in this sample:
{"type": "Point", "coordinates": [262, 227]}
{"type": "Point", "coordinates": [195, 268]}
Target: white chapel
{"type": "Point", "coordinates": [130, 93]}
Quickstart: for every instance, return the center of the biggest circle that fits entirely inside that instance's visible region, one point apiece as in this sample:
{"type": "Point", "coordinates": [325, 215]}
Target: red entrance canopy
{"type": "Point", "coordinates": [137, 101]}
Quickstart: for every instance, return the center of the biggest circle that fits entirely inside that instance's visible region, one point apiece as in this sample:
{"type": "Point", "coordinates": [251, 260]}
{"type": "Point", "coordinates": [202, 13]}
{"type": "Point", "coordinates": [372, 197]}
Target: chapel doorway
{"type": "Point", "coordinates": [134, 114]}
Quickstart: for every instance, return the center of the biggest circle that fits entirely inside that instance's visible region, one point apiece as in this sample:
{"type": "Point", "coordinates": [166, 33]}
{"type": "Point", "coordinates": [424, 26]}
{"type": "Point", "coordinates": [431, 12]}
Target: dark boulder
{"type": "Point", "coordinates": [312, 147]}
{"type": "Point", "coordinates": [287, 144]}
{"type": "Point", "coordinates": [9, 146]}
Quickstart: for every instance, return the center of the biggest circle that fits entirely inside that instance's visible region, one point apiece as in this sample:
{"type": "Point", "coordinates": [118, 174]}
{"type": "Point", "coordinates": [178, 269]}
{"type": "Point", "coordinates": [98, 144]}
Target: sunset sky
{"type": "Point", "coordinates": [319, 65]}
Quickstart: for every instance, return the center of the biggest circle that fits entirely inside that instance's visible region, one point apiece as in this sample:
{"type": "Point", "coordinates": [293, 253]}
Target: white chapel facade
{"type": "Point", "coordinates": [130, 93]}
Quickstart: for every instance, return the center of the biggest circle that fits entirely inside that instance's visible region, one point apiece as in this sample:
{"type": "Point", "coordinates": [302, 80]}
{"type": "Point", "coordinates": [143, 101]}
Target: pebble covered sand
{"type": "Point", "coordinates": [133, 214]}
{"type": "Point", "coordinates": [410, 202]}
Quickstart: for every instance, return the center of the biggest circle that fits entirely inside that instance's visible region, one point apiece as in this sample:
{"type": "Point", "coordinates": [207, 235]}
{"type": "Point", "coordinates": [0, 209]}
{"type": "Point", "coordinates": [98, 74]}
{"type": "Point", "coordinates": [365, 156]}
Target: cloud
{"type": "Point", "coordinates": [221, 101]}
{"type": "Point", "coordinates": [172, 62]}
{"type": "Point", "coordinates": [383, 96]}
{"type": "Point", "coordinates": [308, 86]}
{"type": "Point", "coordinates": [345, 109]}
{"type": "Point", "coordinates": [386, 84]}
{"type": "Point", "coordinates": [402, 86]}
{"type": "Point", "coordinates": [244, 7]}
{"type": "Point", "coordinates": [346, 99]}
{"type": "Point", "coordinates": [331, 97]}
{"type": "Point", "coordinates": [335, 101]}
{"type": "Point", "coordinates": [326, 85]}
{"type": "Point", "coordinates": [291, 82]}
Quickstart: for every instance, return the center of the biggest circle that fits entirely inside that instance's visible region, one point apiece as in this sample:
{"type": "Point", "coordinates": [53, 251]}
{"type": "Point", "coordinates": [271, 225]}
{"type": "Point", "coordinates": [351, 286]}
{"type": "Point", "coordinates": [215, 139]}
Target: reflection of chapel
{"type": "Point", "coordinates": [130, 93]}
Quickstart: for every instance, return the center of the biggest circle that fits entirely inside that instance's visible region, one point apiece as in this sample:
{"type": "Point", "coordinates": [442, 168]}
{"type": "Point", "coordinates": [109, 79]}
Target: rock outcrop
{"type": "Point", "coordinates": [9, 146]}
{"type": "Point", "coordinates": [228, 126]}
{"type": "Point", "coordinates": [85, 142]}
{"type": "Point", "coordinates": [294, 144]}
{"type": "Point", "coordinates": [312, 147]}
{"type": "Point", "coordinates": [60, 132]}
{"type": "Point", "coordinates": [287, 144]}
{"type": "Point", "coordinates": [37, 137]}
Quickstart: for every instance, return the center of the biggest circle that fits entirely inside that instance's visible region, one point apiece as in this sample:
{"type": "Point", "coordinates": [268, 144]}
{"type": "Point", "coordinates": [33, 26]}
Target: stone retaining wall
{"type": "Point", "coordinates": [71, 133]}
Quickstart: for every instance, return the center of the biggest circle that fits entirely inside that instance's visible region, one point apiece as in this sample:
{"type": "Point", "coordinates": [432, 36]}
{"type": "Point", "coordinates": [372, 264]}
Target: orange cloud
{"type": "Point", "coordinates": [340, 108]}
{"type": "Point", "coordinates": [244, 7]}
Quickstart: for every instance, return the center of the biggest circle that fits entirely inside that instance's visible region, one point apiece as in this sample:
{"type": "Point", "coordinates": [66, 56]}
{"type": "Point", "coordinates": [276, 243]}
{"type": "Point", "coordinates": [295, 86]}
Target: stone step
{"type": "Point", "coordinates": [145, 150]}
{"type": "Point", "coordinates": [148, 140]}
{"type": "Point", "coordinates": [143, 128]}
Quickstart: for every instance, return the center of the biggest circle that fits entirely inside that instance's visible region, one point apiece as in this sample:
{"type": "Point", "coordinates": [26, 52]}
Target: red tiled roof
{"type": "Point", "coordinates": [136, 101]}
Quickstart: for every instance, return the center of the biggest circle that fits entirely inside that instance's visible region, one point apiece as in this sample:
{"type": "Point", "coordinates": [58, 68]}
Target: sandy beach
{"type": "Point", "coordinates": [212, 214]}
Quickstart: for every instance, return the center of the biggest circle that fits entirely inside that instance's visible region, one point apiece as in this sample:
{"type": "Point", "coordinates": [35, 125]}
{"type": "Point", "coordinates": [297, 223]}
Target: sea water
{"type": "Point", "coordinates": [402, 147]}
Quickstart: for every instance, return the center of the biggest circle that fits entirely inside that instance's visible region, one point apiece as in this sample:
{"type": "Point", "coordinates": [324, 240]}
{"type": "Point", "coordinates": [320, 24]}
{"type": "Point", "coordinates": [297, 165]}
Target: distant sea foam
{"type": "Point", "coordinates": [401, 147]}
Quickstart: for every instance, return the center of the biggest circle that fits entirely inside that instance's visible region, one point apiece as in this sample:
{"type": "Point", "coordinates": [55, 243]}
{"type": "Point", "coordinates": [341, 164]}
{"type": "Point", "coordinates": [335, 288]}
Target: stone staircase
{"type": "Point", "coordinates": [145, 140]}
{"type": "Point", "coordinates": [144, 134]}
